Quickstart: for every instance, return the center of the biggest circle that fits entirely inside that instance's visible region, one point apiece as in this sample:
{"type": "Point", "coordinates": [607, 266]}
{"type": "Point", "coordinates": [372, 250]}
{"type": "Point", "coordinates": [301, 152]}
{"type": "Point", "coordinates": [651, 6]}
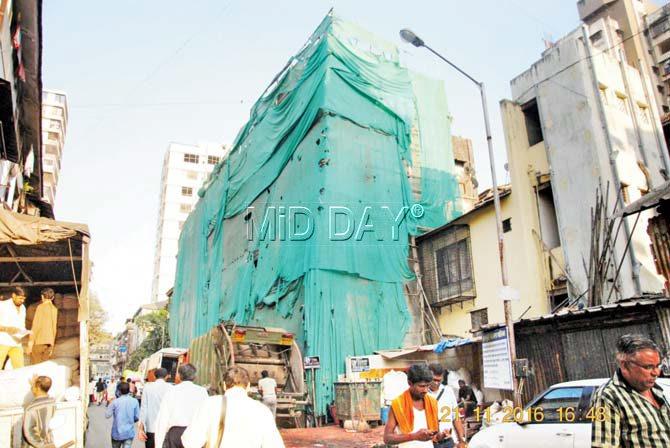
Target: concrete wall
{"type": "Point", "coordinates": [577, 142]}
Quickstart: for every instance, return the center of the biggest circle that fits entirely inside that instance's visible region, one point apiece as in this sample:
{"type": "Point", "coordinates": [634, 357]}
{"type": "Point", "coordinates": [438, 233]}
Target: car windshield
{"type": "Point", "coordinates": [559, 404]}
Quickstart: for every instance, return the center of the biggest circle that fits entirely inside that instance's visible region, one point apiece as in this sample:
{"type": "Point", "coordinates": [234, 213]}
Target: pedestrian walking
{"type": "Point", "coordinates": [43, 332]}
{"type": "Point", "coordinates": [131, 384]}
{"type": "Point", "coordinates": [37, 415]}
{"type": "Point", "coordinates": [233, 420]}
{"type": "Point", "coordinates": [177, 408]}
{"type": "Point", "coordinates": [450, 423]}
{"type": "Point", "coordinates": [268, 388]}
{"type": "Point", "coordinates": [413, 419]}
{"type": "Point", "coordinates": [100, 387]}
{"type": "Point", "coordinates": [91, 392]}
{"type": "Point", "coordinates": [139, 387]}
{"type": "Point", "coordinates": [631, 410]}
{"type": "Point", "coordinates": [126, 412]}
{"type": "Point", "coordinates": [12, 328]}
{"type": "Point", "coordinates": [117, 394]}
{"type": "Point", "coordinates": [110, 392]}
{"type": "Point", "coordinates": [152, 396]}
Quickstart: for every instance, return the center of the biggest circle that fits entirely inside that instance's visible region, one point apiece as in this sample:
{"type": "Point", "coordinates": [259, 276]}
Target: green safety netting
{"type": "Point", "coordinates": [305, 225]}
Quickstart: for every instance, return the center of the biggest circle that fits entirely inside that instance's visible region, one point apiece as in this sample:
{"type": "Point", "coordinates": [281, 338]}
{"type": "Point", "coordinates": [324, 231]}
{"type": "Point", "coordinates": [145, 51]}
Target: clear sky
{"type": "Point", "coordinates": [142, 73]}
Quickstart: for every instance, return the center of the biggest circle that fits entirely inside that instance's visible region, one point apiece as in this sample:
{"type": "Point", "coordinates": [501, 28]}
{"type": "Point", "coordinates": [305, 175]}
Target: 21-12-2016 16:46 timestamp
{"type": "Point", "coordinates": [538, 415]}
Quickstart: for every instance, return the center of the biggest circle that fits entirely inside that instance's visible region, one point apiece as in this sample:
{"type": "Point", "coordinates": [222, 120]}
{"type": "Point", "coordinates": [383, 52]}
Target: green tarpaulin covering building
{"type": "Point", "coordinates": [305, 225]}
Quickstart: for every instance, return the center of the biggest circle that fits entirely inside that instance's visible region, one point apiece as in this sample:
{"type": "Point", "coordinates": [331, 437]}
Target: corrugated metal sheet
{"type": "Point", "coordinates": [577, 345]}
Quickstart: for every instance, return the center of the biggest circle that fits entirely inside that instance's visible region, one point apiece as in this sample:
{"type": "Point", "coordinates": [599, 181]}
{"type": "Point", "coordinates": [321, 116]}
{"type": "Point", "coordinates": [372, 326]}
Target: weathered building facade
{"type": "Point", "coordinates": [580, 122]}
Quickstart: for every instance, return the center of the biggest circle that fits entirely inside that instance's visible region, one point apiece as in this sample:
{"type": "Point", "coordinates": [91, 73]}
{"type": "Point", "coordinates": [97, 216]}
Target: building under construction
{"type": "Point", "coordinates": [306, 226]}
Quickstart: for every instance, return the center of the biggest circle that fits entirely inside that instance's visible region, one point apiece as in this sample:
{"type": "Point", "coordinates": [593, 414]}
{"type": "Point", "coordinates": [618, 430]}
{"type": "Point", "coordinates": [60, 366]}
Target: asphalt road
{"type": "Point", "coordinates": [100, 429]}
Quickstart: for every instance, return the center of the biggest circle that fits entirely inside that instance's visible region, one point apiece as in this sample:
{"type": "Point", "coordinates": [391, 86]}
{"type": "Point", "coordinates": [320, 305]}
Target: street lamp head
{"type": "Point", "coordinates": [411, 38]}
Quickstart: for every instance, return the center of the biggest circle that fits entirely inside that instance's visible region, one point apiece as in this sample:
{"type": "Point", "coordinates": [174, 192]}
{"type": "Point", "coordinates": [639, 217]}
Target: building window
{"type": "Point", "coordinates": [191, 175]}
{"type": "Point", "coordinates": [479, 318]}
{"type": "Point", "coordinates": [454, 265]}
{"type": "Point", "coordinates": [213, 160]}
{"type": "Point", "coordinates": [596, 37]}
{"type": "Point", "coordinates": [660, 27]}
{"type": "Point", "coordinates": [186, 191]}
{"type": "Point", "coordinates": [52, 135]}
{"type": "Point", "coordinates": [185, 208]}
{"type": "Point", "coordinates": [533, 125]}
{"type": "Point", "coordinates": [507, 225]}
{"type": "Point", "coordinates": [664, 46]}
{"type": "Point", "coordinates": [191, 158]}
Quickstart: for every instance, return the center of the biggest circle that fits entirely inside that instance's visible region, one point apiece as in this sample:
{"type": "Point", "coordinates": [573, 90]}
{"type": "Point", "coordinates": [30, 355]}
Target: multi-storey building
{"type": "Point", "coordinates": [581, 120]}
{"type": "Point", "coordinates": [185, 168]}
{"type": "Point", "coordinates": [578, 121]}
{"type": "Point", "coordinates": [642, 31]}
{"type": "Point", "coordinates": [54, 128]}
{"type": "Point", "coordinates": [100, 357]}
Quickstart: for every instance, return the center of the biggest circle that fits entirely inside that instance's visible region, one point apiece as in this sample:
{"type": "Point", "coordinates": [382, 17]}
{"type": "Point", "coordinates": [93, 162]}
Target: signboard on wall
{"type": "Point", "coordinates": [312, 362]}
{"type": "Point", "coordinates": [361, 364]}
{"type": "Point", "coordinates": [496, 360]}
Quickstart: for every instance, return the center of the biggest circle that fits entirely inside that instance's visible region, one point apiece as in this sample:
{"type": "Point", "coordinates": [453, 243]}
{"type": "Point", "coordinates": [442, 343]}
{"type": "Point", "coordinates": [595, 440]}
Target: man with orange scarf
{"type": "Point", "coordinates": [413, 421]}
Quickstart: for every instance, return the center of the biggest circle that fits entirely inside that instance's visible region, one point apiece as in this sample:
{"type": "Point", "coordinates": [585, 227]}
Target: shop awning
{"type": "Point", "coordinates": [400, 352]}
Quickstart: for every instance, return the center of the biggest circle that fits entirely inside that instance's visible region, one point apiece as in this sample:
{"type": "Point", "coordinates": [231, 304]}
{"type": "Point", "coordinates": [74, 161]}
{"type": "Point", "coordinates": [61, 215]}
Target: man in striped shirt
{"type": "Point", "coordinates": [630, 410]}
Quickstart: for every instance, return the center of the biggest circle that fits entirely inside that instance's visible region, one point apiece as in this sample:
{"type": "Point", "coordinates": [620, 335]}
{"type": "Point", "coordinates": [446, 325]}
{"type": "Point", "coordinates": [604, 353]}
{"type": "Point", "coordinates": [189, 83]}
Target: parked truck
{"type": "Point", "coordinates": [38, 253]}
{"type": "Point", "coordinates": [256, 349]}
{"type": "Point", "coordinates": [167, 358]}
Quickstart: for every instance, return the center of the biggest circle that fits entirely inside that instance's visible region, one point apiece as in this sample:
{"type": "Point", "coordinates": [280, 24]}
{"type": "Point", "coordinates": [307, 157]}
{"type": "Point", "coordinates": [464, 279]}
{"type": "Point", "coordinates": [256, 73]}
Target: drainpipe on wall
{"type": "Point", "coordinates": [633, 113]}
{"type": "Point", "coordinates": [656, 119]}
{"type": "Point", "coordinates": [635, 265]}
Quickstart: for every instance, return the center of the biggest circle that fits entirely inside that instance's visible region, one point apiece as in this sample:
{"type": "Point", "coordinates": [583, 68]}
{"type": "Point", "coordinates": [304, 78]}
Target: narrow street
{"type": "Point", "coordinates": [99, 430]}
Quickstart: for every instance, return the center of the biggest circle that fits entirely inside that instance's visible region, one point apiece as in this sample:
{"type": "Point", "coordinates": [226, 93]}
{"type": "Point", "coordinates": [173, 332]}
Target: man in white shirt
{"type": "Point", "coordinates": [179, 405]}
{"type": "Point", "coordinates": [268, 388]}
{"type": "Point", "coordinates": [12, 328]}
{"type": "Point", "coordinates": [110, 393]}
{"type": "Point", "coordinates": [248, 423]}
{"type": "Point", "coordinates": [152, 396]}
{"type": "Point", "coordinates": [447, 407]}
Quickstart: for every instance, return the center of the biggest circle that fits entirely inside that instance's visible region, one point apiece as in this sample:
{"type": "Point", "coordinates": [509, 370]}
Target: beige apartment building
{"type": "Point", "coordinates": [642, 30]}
{"type": "Point", "coordinates": [578, 120]}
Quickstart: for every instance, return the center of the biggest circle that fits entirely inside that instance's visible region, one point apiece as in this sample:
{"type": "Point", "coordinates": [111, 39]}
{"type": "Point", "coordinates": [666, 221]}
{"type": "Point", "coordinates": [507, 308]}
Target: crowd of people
{"type": "Point", "coordinates": [105, 390]}
{"type": "Point", "coordinates": [183, 415]}
{"type": "Point", "coordinates": [427, 414]}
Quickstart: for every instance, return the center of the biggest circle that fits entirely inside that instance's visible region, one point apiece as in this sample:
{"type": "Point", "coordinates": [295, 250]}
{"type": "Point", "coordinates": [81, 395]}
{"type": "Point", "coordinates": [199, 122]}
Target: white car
{"type": "Point", "coordinates": [564, 424]}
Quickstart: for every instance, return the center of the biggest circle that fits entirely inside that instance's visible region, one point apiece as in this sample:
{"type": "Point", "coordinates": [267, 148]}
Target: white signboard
{"type": "Point", "coordinates": [496, 361]}
{"type": "Point", "coordinates": [312, 362]}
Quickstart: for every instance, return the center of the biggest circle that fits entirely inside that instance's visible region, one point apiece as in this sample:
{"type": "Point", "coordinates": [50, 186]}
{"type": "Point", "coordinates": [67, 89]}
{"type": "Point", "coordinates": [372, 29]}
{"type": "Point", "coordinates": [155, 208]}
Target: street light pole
{"type": "Point", "coordinates": [410, 37]}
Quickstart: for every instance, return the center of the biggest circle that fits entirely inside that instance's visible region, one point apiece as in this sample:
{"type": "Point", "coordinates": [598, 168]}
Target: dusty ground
{"type": "Point", "coordinates": [332, 437]}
